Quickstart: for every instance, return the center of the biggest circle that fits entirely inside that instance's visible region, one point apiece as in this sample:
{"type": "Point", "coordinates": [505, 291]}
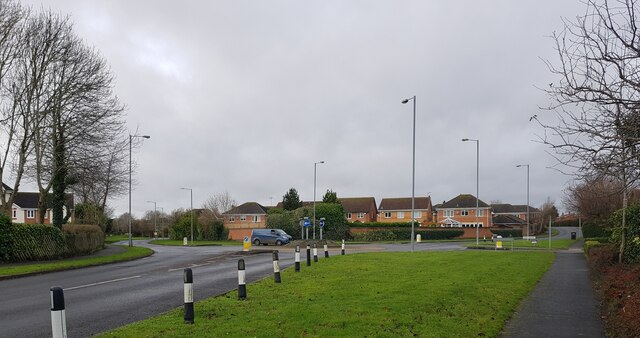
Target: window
{"type": "Point", "coordinates": [46, 214]}
{"type": "Point", "coordinates": [31, 214]}
{"type": "Point", "coordinates": [417, 214]}
{"type": "Point", "coordinates": [361, 215]}
{"type": "Point", "coordinates": [15, 213]}
{"type": "Point", "coordinates": [232, 219]}
{"type": "Point", "coordinates": [348, 215]}
{"type": "Point", "coordinates": [448, 213]}
{"type": "Point", "coordinates": [243, 218]}
{"type": "Point", "coordinates": [480, 212]}
{"type": "Point", "coordinates": [400, 214]}
{"type": "Point", "coordinates": [464, 213]}
{"type": "Point", "coordinates": [387, 215]}
{"type": "Point", "coordinates": [256, 219]}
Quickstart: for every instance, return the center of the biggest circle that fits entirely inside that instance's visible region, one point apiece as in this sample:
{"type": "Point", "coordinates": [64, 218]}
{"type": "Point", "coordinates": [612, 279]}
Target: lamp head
{"type": "Point", "coordinates": [146, 136]}
{"type": "Point", "coordinates": [405, 101]}
{"type": "Point", "coordinates": [465, 139]}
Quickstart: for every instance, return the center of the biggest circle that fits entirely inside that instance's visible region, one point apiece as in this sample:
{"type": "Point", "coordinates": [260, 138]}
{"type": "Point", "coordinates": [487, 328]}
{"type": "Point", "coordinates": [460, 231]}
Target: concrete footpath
{"type": "Point", "coordinates": [563, 304]}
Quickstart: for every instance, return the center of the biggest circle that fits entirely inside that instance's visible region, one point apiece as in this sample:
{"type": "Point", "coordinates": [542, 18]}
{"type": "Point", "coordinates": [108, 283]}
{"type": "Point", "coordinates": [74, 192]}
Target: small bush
{"type": "Point", "coordinates": [591, 229]}
{"type": "Point", "coordinates": [374, 236]}
{"type": "Point", "coordinates": [83, 239]}
{"type": "Point", "coordinates": [602, 256]}
{"type": "Point", "coordinates": [507, 232]}
{"type": "Point", "coordinates": [599, 239]}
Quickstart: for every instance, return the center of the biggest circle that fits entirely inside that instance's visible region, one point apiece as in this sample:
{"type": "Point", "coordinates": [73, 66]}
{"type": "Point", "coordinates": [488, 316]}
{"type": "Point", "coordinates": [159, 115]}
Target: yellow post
{"type": "Point", "coordinates": [499, 245]}
{"type": "Point", "coordinates": [246, 244]}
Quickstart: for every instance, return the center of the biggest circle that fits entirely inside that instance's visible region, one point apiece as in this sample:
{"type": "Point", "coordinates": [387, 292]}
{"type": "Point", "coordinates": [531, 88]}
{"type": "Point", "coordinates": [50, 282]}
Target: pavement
{"type": "Point", "coordinates": [563, 304]}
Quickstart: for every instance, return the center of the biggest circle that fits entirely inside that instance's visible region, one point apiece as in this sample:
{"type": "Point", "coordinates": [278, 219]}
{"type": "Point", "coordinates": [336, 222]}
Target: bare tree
{"type": "Point", "coordinates": [597, 96]}
{"type": "Point", "coordinates": [595, 198]}
{"type": "Point", "coordinates": [219, 203]}
{"type": "Point", "coordinates": [540, 219]}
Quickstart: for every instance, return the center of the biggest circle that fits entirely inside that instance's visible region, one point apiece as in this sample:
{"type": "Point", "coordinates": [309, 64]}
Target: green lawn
{"type": "Point", "coordinates": [543, 243]}
{"type": "Point", "coordinates": [195, 243]}
{"type": "Point", "coordinates": [26, 268]}
{"type": "Point", "coordinates": [432, 294]}
{"type": "Point", "coordinates": [117, 238]}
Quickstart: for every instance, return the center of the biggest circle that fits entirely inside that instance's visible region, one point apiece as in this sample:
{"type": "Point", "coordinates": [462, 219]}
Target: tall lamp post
{"type": "Point", "coordinates": [161, 223]}
{"type": "Point", "coordinates": [191, 191]}
{"type": "Point", "coordinates": [477, 186]}
{"type": "Point", "coordinates": [526, 165]}
{"type": "Point", "coordinates": [131, 137]}
{"type": "Point", "coordinates": [155, 218]}
{"type": "Point", "coordinates": [413, 173]}
{"type": "Point", "coordinates": [315, 166]}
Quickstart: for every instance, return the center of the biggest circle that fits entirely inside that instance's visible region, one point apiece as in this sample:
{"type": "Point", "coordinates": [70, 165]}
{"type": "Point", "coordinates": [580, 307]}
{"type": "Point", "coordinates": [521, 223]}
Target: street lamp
{"type": "Point", "coordinates": [413, 172]}
{"type": "Point", "coordinates": [477, 186]}
{"type": "Point", "coordinates": [161, 222]}
{"type": "Point", "coordinates": [315, 166]}
{"type": "Point", "coordinates": [155, 218]}
{"type": "Point", "coordinates": [191, 190]}
{"type": "Point", "coordinates": [131, 137]}
{"type": "Point", "coordinates": [526, 165]}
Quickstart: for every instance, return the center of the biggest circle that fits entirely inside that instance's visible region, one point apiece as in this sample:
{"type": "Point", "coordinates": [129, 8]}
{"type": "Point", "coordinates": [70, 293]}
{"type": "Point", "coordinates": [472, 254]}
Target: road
{"type": "Point", "coordinates": [105, 297]}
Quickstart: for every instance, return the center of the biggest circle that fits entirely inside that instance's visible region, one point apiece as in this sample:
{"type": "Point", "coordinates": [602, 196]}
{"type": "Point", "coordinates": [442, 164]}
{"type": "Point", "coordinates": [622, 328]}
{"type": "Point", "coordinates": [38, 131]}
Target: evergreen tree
{"type": "Point", "coordinates": [330, 197]}
{"type": "Point", "coordinates": [291, 200]}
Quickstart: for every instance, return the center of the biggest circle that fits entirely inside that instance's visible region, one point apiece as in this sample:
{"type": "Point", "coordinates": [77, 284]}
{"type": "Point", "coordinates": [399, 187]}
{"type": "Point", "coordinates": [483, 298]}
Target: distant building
{"type": "Point", "coordinates": [460, 212]}
{"type": "Point", "coordinates": [242, 219]}
{"type": "Point", "coordinates": [399, 210]}
{"type": "Point", "coordinates": [360, 209]}
{"type": "Point", "coordinates": [25, 207]}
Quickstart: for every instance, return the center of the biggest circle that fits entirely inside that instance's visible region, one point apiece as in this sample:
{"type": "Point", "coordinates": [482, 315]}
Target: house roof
{"type": "Point", "coordinates": [358, 204]}
{"type": "Point", "coordinates": [404, 203]}
{"type": "Point", "coordinates": [248, 208]}
{"type": "Point", "coordinates": [6, 188]}
{"type": "Point", "coordinates": [510, 208]}
{"type": "Point", "coordinates": [507, 220]}
{"type": "Point", "coordinates": [463, 201]}
{"type": "Point", "coordinates": [29, 200]}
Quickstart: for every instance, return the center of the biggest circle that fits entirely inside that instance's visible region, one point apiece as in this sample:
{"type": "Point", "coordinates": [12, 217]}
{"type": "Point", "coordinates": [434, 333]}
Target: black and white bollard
{"type": "Point", "coordinates": [308, 255]}
{"type": "Point", "coordinates": [297, 258]}
{"type": "Point", "coordinates": [326, 250]}
{"type": "Point", "coordinates": [242, 286]}
{"type": "Point", "coordinates": [276, 268]}
{"type": "Point", "coordinates": [343, 246]}
{"type": "Point", "coordinates": [58, 317]}
{"type": "Point", "coordinates": [188, 296]}
{"type": "Point", "coordinates": [315, 253]}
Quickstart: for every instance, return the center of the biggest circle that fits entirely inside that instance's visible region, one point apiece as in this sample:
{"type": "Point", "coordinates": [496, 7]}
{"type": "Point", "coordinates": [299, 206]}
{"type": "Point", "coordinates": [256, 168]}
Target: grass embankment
{"type": "Point", "coordinates": [435, 294]}
{"type": "Point", "coordinates": [15, 270]}
{"type": "Point", "coordinates": [526, 244]}
{"type": "Point", "coordinates": [195, 243]}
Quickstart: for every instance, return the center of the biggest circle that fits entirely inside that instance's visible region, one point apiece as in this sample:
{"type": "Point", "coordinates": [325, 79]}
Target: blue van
{"type": "Point", "coordinates": [269, 236]}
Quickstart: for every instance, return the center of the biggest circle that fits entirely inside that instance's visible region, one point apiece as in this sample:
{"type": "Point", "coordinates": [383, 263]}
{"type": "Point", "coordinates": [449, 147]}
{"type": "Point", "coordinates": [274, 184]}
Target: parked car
{"type": "Point", "coordinates": [269, 236]}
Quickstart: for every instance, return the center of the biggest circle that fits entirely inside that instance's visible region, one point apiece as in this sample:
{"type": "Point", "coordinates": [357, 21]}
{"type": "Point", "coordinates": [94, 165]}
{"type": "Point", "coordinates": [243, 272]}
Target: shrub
{"type": "Point", "coordinates": [601, 257]}
{"type": "Point", "coordinates": [571, 222]}
{"type": "Point", "coordinates": [83, 239]}
{"type": "Point", "coordinates": [631, 252]}
{"type": "Point", "coordinates": [507, 232]}
{"type": "Point", "coordinates": [374, 236]}
{"type": "Point", "coordinates": [588, 245]}
{"type": "Point", "coordinates": [592, 229]}
{"type": "Point", "coordinates": [28, 242]}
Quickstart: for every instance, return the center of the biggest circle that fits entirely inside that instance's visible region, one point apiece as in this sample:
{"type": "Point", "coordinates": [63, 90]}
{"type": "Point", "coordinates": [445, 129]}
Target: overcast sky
{"type": "Point", "coordinates": [244, 96]}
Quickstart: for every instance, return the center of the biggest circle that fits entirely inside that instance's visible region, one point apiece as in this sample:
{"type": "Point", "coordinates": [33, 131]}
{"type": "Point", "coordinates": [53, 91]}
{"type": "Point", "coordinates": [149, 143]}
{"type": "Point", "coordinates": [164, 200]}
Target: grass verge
{"type": "Point", "coordinates": [117, 238]}
{"type": "Point", "coordinates": [15, 270]}
{"type": "Point", "coordinates": [525, 244]}
{"type": "Point", "coordinates": [435, 294]}
{"type": "Point", "coordinates": [195, 243]}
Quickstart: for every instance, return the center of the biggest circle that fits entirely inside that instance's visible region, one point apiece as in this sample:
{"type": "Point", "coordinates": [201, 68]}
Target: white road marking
{"type": "Point", "coordinates": [100, 283]}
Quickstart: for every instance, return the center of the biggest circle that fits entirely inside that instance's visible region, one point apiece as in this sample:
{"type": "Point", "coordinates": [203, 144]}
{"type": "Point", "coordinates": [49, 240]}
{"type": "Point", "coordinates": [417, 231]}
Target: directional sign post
{"type": "Point", "coordinates": [307, 224]}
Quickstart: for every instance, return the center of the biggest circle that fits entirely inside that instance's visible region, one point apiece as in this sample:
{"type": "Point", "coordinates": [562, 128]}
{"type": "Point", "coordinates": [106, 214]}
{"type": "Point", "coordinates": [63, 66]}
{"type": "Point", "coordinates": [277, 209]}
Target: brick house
{"type": "Point", "coordinates": [399, 210]}
{"type": "Point", "coordinates": [519, 211]}
{"type": "Point", "coordinates": [508, 221]}
{"type": "Point", "coordinates": [242, 219]}
{"type": "Point", "coordinates": [25, 207]}
{"type": "Point", "coordinates": [360, 209]}
{"type": "Point", "coordinates": [460, 212]}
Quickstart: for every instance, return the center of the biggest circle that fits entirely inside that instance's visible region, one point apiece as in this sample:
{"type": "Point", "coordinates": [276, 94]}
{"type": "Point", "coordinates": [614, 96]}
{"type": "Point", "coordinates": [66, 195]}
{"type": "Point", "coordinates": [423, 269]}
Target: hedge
{"type": "Point", "coordinates": [507, 232]}
{"type": "Point", "coordinates": [590, 229]}
{"type": "Point", "coordinates": [400, 234]}
{"type": "Point", "coordinates": [571, 222]}
{"type": "Point", "coordinates": [383, 224]}
{"type": "Point", "coordinates": [32, 242]}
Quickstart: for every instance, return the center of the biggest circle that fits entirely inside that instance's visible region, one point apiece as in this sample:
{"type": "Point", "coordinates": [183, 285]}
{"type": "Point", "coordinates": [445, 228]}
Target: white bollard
{"type": "Point", "coordinates": [58, 317]}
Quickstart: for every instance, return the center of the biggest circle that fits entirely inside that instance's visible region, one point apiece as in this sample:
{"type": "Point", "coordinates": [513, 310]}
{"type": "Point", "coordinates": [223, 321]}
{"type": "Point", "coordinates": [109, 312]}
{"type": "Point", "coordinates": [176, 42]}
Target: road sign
{"type": "Point", "coordinates": [307, 223]}
{"type": "Point", "coordinates": [322, 223]}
